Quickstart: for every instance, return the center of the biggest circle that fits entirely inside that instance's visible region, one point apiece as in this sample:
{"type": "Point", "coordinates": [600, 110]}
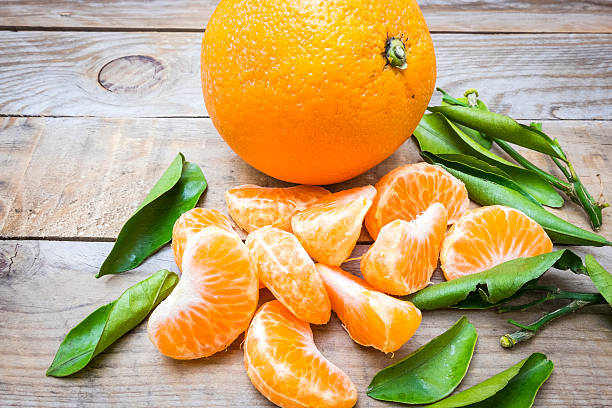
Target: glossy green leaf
{"type": "Point", "coordinates": [150, 227]}
{"type": "Point", "coordinates": [431, 372]}
{"type": "Point", "coordinates": [600, 277]}
{"type": "Point", "coordinates": [488, 189]}
{"type": "Point", "coordinates": [480, 138]}
{"type": "Point", "coordinates": [108, 323]}
{"type": "Point", "coordinates": [502, 127]}
{"type": "Point", "coordinates": [438, 135]}
{"type": "Point", "coordinates": [488, 288]}
{"type": "Point", "coordinates": [515, 387]}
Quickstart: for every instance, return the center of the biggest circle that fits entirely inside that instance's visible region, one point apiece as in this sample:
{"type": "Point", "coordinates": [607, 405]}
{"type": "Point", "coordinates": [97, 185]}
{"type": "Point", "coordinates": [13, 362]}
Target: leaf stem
{"type": "Point", "coordinates": [574, 189]}
{"type": "Point", "coordinates": [562, 167]}
{"type": "Point", "coordinates": [449, 99]}
{"type": "Point", "coordinates": [561, 185]}
{"type": "Point", "coordinates": [528, 331]}
{"type": "Point", "coordinates": [554, 294]}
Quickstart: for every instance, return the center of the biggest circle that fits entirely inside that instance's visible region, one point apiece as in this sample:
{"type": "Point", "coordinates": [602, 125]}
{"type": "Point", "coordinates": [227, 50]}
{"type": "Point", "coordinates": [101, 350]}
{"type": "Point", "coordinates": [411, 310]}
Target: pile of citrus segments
{"type": "Point", "coordinates": [407, 215]}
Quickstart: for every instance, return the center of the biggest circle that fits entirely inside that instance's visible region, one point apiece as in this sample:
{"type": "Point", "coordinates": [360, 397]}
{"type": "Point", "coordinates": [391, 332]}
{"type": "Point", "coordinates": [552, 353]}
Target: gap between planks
{"type": "Point", "coordinates": [48, 194]}
{"type": "Point", "coordinates": [158, 74]}
{"type": "Point", "coordinates": [9, 115]}
{"type": "Point", "coordinates": [48, 287]}
{"type": "Point", "coordinates": [441, 16]}
{"type": "Point", "coordinates": [195, 30]}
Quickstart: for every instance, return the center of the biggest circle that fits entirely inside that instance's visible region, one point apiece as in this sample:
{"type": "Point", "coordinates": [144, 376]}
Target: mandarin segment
{"type": "Point", "coordinates": [253, 207]}
{"type": "Point", "coordinates": [192, 222]}
{"type": "Point", "coordinates": [405, 254]}
{"type": "Point", "coordinates": [303, 91]}
{"type": "Point", "coordinates": [330, 228]}
{"type": "Point", "coordinates": [287, 271]}
{"type": "Point", "coordinates": [408, 190]}
{"type": "Point", "coordinates": [487, 236]}
{"type": "Point", "coordinates": [212, 303]}
{"type": "Point", "coordinates": [370, 317]}
{"type": "Point", "coordinates": [285, 365]}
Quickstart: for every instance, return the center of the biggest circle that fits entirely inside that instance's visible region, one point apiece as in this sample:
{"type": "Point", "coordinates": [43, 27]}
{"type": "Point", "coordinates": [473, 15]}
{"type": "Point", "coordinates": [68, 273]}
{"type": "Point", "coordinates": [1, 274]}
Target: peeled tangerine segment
{"type": "Point", "coordinates": [330, 228]}
{"type": "Point", "coordinates": [405, 254]}
{"type": "Point", "coordinates": [253, 207]}
{"type": "Point", "coordinates": [370, 317]}
{"type": "Point", "coordinates": [285, 365]}
{"type": "Point", "coordinates": [192, 222]}
{"type": "Point", "coordinates": [212, 303]}
{"type": "Point", "coordinates": [407, 191]}
{"type": "Point", "coordinates": [285, 268]}
{"type": "Point", "coordinates": [487, 236]}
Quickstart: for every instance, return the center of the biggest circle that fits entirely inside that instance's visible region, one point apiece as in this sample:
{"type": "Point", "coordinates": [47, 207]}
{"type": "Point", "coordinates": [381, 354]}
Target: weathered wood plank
{"type": "Point", "coordinates": [449, 15]}
{"type": "Point", "coordinates": [47, 287]}
{"type": "Point", "coordinates": [156, 74]}
{"type": "Point", "coordinates": [82, 177]}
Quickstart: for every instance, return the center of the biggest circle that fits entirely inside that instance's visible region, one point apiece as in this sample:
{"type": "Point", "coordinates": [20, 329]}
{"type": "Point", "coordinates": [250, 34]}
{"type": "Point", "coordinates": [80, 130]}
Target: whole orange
{"type": "Point", "coordinates": [316, 91]}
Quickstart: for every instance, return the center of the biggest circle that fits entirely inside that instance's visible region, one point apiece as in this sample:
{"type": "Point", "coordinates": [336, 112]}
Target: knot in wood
{"type": "Point", "coordinates": [131, 74]}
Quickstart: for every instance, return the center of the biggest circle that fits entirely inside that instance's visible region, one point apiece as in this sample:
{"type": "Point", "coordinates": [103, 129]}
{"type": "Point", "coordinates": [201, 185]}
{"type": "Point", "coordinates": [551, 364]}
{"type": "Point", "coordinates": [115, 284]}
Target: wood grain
{"type": "Point", "coordinates": [441, 15]}
{"type": "Point", "coordinates": [156, 74]}
{"type": "Point", "coordinates": [83, 177]}
{"type": "Point", "coordinates": [47, 287]}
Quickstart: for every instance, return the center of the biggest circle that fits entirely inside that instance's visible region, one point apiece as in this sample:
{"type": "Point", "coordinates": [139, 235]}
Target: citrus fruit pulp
{"type": "Point", "coordinates": [253, 207]}
{"type": "Point", "coordinates": [406, 191]}
{"type": "Point", "coordinates": [287, 271]}
{"type": "Point", "coordinates": [370, 317]}
{"type": "Point", "coordinates": [330, 228]}
{"type": "Point", "coordinates": [487, 236]}
{"type": "Point", "coordinates": [192, 222]}
{"type": "Point", "coordinates": [285, 365]}
{"type": "Point", "coordinates": [212, 303]}
{"type": "Point", "coordinates": [405, 254]}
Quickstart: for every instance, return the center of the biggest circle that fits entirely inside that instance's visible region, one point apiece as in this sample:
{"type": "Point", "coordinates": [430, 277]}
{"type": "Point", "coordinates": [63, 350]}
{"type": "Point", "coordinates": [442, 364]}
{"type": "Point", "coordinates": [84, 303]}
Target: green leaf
{"type": "Point", "coordinates": [600, 277]}
{"type": "Point", "coordinates": [108, 323]}
{"type": "Point", "coordinates": [431, 372]}
{"type": "Point", "coordinates": [536, 125]}
{"type": "Point", "coordinates": [438, 135]}
{"type": "Point", "coordinates": [491, 287]}
{"type": "Point", "coordinates": [480, 138]}
{"type": "Point", "coordinates": [515, 387]}
{"type": "Point", "coordinates": [493, 173]}
{"type": "Point", "coordinates": [488, 189]}
{"type": "Point", "coordinates": [502, 127]}
{"type": "Point", "coordinates": [150, 227]}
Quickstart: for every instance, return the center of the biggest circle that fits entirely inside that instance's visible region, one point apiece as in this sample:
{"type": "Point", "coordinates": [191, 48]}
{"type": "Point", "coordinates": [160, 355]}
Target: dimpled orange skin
{"type": "Point", "coordinates": [302, 90]}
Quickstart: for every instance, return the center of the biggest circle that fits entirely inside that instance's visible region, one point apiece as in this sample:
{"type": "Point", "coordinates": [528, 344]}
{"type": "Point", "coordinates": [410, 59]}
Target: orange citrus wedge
{"type": "Point", "coordinates": [370, 317]}
{"type": "Point", "coordinates": [212, 303]}
{"type": "Point", "coordinates": [405, 254]}
{"type": "Point", "coordinates": [192, 222]}
{"type": "Point", "coordinates": [407, 191]}
{"type": "Point", "coordinates": [285, 268]}
{"type": "Point", "coordinates": [253, 207]}
{"type": "Point", "coordinates": [330, 228]}
{"type": "Point", "coordinates": [487, 236]}
{"type": "Point", "coordinates": [285, 365]}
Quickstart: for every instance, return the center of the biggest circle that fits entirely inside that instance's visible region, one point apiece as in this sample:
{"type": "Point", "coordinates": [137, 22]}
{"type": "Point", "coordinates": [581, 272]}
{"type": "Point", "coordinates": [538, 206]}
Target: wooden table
{"type": "Point", "coordinates": [97, 97]}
